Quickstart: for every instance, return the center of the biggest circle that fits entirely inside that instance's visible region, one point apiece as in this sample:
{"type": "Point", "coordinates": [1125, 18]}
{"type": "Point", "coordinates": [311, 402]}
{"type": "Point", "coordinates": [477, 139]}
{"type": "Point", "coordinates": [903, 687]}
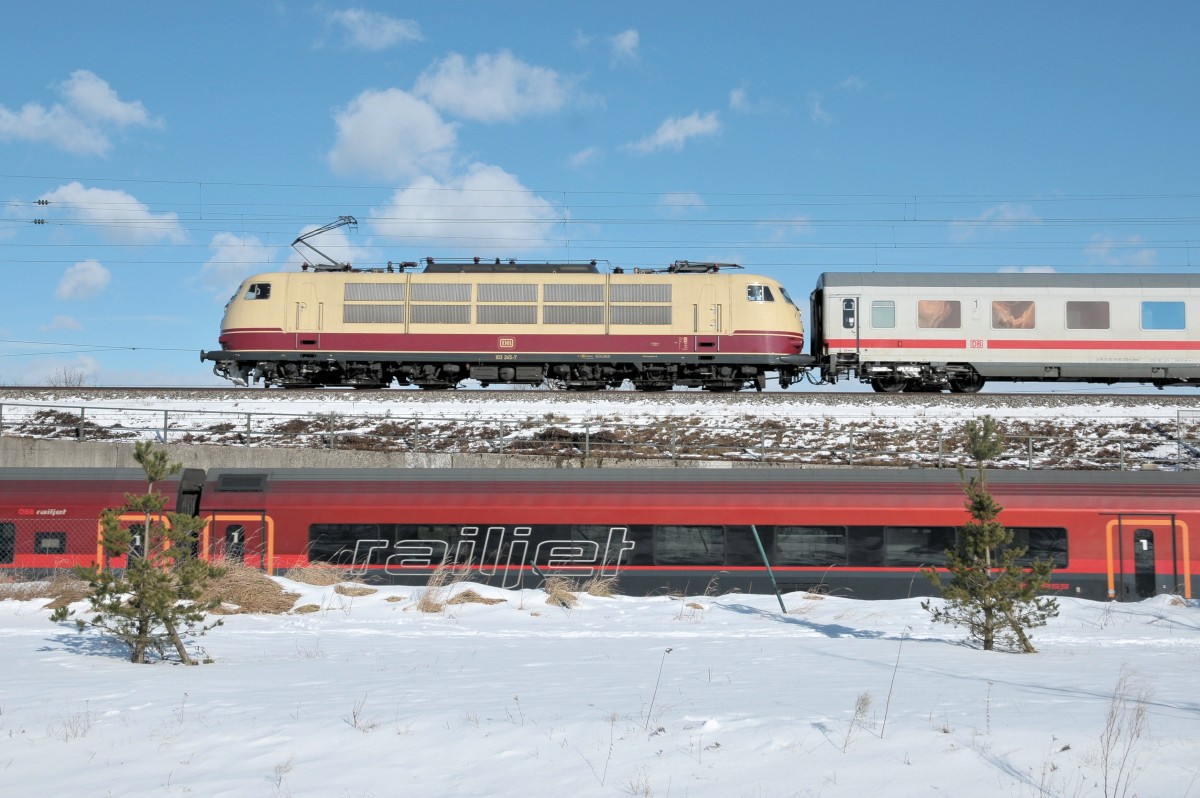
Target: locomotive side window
{"type": "Point", "coordinates": [915, 545]}
{"type": "Point", "coordinates": [1163, 316]}
{"type": "Point", "coordinates": [689, 545]}
{"type": "Point", "coordinates": [258, 291]}
{"type": "Point", "coordinates": [759, 293]}
{"type": "Point", "coordinates": [1041, 544]}
{"type": "Point", "coordinates": [50, 542]}
{"type": "Point", "coordinates": [883, 314]}
{"type": "Point", "coordinates": [1012, 315]}
{"type": "Point", "coordinates": [810, 545]}
{"type": "Point", "coordinates": [8, 542]}
{"type": "Point", "coordinates": [939, 314]}
{"type": "Point", "coordinates": [1087, 315]}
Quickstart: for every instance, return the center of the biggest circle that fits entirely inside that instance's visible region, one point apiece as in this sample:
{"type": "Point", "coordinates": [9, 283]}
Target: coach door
{"type": "Point", "coordinates": [244, 537]}
{"type": "Point", "coordinates": [845, 325]}
{"type": "Point", "coordinates": [1148, 554]}
{"type": "Point", "coordinates": [307, 314]}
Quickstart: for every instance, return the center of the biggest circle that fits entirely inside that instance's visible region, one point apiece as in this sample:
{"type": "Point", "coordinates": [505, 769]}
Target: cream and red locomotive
{"type": "Point", "coordinates": [694, 324]}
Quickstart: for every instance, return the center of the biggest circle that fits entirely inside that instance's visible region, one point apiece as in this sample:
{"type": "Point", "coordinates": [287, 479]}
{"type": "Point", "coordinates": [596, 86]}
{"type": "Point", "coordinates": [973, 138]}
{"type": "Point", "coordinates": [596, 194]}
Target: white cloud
{"type": "Point", "coordinates": [81, 125]}
{"type": "Point", "coordinates": [675, 131]}
{"type": "Point", "coordinates": [851, 84]}
{"type": "Point", "coordinates": [92, 97]}
{"type": "Point", "coordinates": [486, 207]}
{"type": "Point", "coordinates": [816, 109]}
{"type": "Point", "coordinates": [234, 258]}
{"type": "Point", "coordinates": [787, 227]}
{"type": "Point", "coordinates": [83, 280]}
{"type": "Point", "coordinates": [1027, 270]}
{"type": "Point", "coordinates": [679, 203]}
{"type": "Point", "coordinates": [494, 88]}
{"type": "Point", "coordinates": [584, 157]}
{"type": "Point", "coordinates": [391, 134]}
{"type": "Point", "coordinates": [119, 216]}
{"type": "Point", "coordinates": [62, 323]}
{"type": "Point", "coordinates": [1108, 250]}
{"type": "Point", "coordinates": [1000, 218]}
{"type": "Point", "coordinates": [625, 46]}
{"type": "Point", "coordinates": [370, 30]}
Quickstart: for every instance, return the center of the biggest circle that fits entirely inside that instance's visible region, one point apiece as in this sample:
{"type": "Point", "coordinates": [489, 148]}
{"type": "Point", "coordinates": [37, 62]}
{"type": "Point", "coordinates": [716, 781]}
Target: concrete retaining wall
{"type": "Point", "coordinates": [37, 453]}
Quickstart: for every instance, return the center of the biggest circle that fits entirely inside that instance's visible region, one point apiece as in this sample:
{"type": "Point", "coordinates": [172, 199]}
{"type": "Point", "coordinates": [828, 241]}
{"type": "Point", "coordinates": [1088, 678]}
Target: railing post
{"type": "Point", "coordinates": [248, 415]}
{"type": "Point", "coordinates": [941, 443]}
{"type": "Point", "coordinates": [331, 441]}
{"type": "Point", "coordinates": [851, 453]}
{"type": "Point", "coordinates": [1029, 455]}
{"type": "Point", "coordinates": [1121, 452]}
{"type": "Point", "coordinates": [79, 429]}
{"type": "Point", "coordinates": [587, 439]}
{"type": "Point", "coordinates": [165, 425]}
{"type": "Point", "coordinates": [1, 418]}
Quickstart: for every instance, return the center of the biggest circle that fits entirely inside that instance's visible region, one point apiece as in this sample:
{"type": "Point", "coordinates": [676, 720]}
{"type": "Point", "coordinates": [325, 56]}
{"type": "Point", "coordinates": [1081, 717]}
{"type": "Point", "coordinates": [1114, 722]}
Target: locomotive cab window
{"type": "Point", "coordinates": [1163, 316]}
{"type": "Point", "coordinates": [883, 314]}
{"type": "Point", "coordinates": [1012, 315]}
{"type": "Point", "coordinates": [759, 293]}
{"type": "Point", "coordinates": [258, 291]}
{"type": "Point", "coordinates": [1087, 316]}
{"type": "Point", "coordinates": [939, 314]}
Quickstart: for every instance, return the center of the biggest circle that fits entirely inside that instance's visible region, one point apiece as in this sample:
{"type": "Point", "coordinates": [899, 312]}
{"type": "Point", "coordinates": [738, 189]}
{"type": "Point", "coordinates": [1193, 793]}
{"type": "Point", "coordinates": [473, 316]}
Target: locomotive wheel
{"type": "Point", "coordinates": [971, 383]}
{"type": "Point", "coordinates": [889, 384]}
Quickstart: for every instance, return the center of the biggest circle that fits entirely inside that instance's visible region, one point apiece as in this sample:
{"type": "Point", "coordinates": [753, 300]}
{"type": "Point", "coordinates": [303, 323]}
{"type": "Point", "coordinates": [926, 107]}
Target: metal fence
{"type": "Point", "coordinates": [1132, 442]}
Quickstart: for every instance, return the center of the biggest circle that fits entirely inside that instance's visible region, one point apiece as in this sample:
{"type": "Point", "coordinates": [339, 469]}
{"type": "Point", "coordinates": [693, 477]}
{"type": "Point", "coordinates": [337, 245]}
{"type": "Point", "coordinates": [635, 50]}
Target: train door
{"type": "Point", "coordinates": [708, 319]}
{"type": "Point", "coordinates": [307, 314]}
{"type": "Point", "coordinates": [843, 330]}
{"type": "Point", "coordinates": [241, 536]}
{"type": "Point", "coordinates": [1148, 555]}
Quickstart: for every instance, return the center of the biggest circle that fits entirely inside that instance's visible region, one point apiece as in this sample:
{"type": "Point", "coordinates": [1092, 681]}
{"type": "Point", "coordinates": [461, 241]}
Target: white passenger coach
{"type": "Point", "coordinates": [926, 331]}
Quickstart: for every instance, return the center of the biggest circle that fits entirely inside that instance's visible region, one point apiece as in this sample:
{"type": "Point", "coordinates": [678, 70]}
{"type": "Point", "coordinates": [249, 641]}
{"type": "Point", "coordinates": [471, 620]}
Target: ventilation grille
{"type": "Point", "coordinates": [640, 292]}
{"type": "Point", "coordinates": [441, 292]}
{"type": "Point", "coordinates": [441, 314]}
{"type": "Point", "coordinates": [573, 314]}
{"type": "Point", "coordinates": [634, 314]}
{"type": "Point", "coordinates": [374, 292]}
{"type": "Point", "coordinates": [373, 314]}
{"type": "Point", "coordinates": [507, 314]}
{"type": "Point", "coordinates": [507, 292]}
{"type": "Point", "coordinates": [568, 292]}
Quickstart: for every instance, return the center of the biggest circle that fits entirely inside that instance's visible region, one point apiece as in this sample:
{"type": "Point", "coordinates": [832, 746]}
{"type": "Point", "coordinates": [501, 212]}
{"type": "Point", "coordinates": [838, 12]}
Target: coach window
{"type": "Point", "coordinates": [1087, 315]}
{"type": "Point", "coordinates": [883, 314]}
{"type": "Point", "coordinates": [8, 542]}
{"type": "Point", "coordinates": [689, 545]}
{"type": "Point", "coordinates": [1163, 316]}
{"type": "Point", "coordinates": [1012, 315]}
{"type": "Point", "coordinates": [258, 291]}
{"type": "Point", "coordinates": [759, 293]}
{"type": "Point", "coordinates": [810, 545]}
{"type": "Point", "coordinates": [917, 545]}
{"type": "Point", "coordinates": [1041, 544]}
{"type": "Point", "coordinates": [939, 314]}
{"type": "Point", "coordinates": [50, 542]}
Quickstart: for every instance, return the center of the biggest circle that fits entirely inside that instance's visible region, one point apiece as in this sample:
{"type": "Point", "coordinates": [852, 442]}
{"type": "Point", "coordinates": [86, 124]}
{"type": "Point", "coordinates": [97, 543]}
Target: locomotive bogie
{"type": "Point", "coordinates": [928, 331]}
{"type": "Point", "coordinates": [589, 331]}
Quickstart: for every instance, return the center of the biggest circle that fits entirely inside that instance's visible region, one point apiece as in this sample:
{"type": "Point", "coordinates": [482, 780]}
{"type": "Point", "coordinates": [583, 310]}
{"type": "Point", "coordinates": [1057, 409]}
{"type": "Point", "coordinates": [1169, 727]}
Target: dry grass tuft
{"type": "Point", "coordinates": [602, 586]}
{"type": "Point", "coordinates": [355, 590]}
{"type": "Point", "coordinates": [61, 587]}
{"type": "Point", "coordinates": [469, 596]}
{"type": "Point", "coordinates": [560, 591]}
{"type": "Point", "coordinates": [394, 598]}
{"type": "Point", "coordinates": [319, 574]}
{"type": "Point", "coordinates": [434, 597]}
{"type": "Point", "coordinates": [305, 609]}
{"type": "Point", "coordinates": [249, 590]}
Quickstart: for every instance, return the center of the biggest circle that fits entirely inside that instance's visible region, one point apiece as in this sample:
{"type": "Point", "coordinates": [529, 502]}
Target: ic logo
{"type": "Point", "coordinates": [506, 343]}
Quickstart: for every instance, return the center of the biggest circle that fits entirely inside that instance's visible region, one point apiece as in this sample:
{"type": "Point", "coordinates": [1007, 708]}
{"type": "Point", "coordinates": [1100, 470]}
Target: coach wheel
{"type": "Point", "coordinates": [970, 383]}
{"type": "Point", "coordinates": [892, 383]}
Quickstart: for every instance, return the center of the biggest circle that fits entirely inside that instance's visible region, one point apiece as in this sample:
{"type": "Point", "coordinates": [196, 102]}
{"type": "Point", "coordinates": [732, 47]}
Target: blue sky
{"type": "Point", "coordinates": [182, 147]}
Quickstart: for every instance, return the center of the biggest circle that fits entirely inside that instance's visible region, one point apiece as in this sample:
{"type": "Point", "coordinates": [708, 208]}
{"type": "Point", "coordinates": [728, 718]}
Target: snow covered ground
{"type": "Point", "coordinates": [687, 697]}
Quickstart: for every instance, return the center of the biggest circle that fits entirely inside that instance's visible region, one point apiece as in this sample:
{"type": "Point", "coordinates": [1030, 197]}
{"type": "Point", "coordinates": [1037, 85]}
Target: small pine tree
{"type": "Point", "coordinates": [156, 601]}
{"type": "Point", "coordinates": [989, 593]}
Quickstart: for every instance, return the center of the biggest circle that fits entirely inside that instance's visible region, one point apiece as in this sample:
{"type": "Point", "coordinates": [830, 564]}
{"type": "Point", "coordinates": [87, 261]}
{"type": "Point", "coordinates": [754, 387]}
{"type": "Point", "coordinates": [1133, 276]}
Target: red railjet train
{"type": "Point", "coordinates": [857, 532]}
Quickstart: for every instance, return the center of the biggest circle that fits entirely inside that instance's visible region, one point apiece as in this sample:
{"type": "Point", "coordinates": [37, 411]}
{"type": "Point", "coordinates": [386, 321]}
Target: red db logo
{"type": "Point", "coordinates": [506, 343]}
